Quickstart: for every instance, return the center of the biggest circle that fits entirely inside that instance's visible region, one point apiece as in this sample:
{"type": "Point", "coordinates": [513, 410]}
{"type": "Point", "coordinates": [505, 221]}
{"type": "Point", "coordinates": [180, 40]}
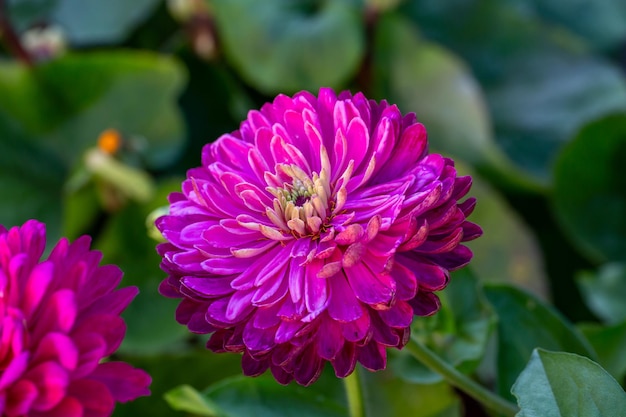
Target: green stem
{"type": "Point", "coordinates": [353, 392]}
{"type": "Point", "coordinates": [461, 381]}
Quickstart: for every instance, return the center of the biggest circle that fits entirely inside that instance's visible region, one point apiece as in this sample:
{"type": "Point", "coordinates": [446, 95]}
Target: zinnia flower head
{"type": "Point", "coordinates": [60, 317]}
{"type": "Point", "coordinates": [313, 234]}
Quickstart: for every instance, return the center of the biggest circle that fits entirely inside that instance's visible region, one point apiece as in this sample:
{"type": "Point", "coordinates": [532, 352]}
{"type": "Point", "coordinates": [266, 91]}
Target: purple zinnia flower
{"type": "Point", "coordinates": [60, 318]}
{"type": "Point", "coordinates": [315, 233]}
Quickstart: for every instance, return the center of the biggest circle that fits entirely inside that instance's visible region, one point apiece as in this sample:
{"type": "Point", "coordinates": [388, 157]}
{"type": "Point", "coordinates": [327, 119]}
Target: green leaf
{"type": "Point", "coordinates": [590, 188]}
{"type": "Point", "coordinates": [424, 78]}
{"type": "Point", "coordinates": [282, 46]}
{"type": "Point", "coordinates": [564, 384]}
{"type": "Point", "coordinates": [541, 83]}
{"type": "Point", "coordinates": [602, 23]}
{"type": "Point", "coordinates": [526, 323]}
{"type": "Point", "coordinates": [84, 21]}
{"type": "Point", "coordinates": [458, 332]}
{"type": "Point", "coordinates": [31, 179]}
{"type": "Point", "coordinates": [385, 394]}
{"type": "Point", "coordinates": [605, 292]}
{"type": "Point", "coordinates": [134, 92]}
{"type": "Point", "coordinates": [186, 398]}
{"type": "Point", "coordinates": [497, 257]}
{"type": "Point", "coordinates": [194, 367]}
{"type": "Point", "coordinates": [609, 344]}
{"type": "Point", "coordinates": [263, 397]}
{"type": "Point", "coordinates": [150, 318]}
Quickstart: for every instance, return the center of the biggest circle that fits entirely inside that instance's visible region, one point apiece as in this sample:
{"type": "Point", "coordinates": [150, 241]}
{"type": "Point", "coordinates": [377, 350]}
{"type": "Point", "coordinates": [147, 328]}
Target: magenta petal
{"type": "Point", "coordinates": [68, 407]}
{"type": "Point", "coordinates": [309, 367]}
{"type": "Point", "coordinates": [58, 313]}
{"type": "Point", "coordinates": [209, 286]}
{"type": "Point", "coordinates": [425, 303]}
{"type": "Point", "coordinates": [368, 287]}
{"type": "Point", "coordinates": [343, 305]}
{"type": "Point", "coordinates": [21, 397]}
{"type": "Point", "coordinates": [57, 347]}
{"type": "Point", "coordinates": [345, 362]}
{"type": "Point", "coordinates": [94, 396]}
{"type": "Point", "coordinates": [51, 381]}
{"type": "Point", "coordinates": [258, 340]}
{"type": "Point", "coordinates": [111, 328]}
{"type": "Point", "coordinates": [400, 315]}
{"type": "Point", "coordinates": [372, 356]}
{"type": "Point", "coordinates": [37, 286]}
{"type": "Point", "coordinates": [123, 381]}
{"type": "Point", "coordinates": [359, 329]}
{"type": "Point", "coordinates": [253, 367]}
{"type": "Point", "coordinates": [281, 376]}
{"type": "Point", "coordinates": [329, 340]}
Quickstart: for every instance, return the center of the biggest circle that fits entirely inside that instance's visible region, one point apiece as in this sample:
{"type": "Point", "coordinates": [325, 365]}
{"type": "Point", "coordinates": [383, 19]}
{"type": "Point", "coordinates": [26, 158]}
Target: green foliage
{"type": "Point", "coordinates": [458, 332]}
{"type": "Point", "coordinates": [264, 397]}
{"type": "Point", "coordinates": [565, 384]}
{"type": "Point", "coordinates": [525, 323]}
{"type": "Point", "coordinates": [283, 46]}
{"type": "Point", "coordinates": [590, 188]}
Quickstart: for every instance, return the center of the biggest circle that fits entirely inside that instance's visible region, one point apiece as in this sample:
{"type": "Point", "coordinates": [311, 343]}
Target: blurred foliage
{"type": "Point", "coordinates": [529, 96]}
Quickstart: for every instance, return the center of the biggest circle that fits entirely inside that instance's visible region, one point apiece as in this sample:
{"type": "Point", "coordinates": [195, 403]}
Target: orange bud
{"type": "Point", "coordinates": [110, 141]}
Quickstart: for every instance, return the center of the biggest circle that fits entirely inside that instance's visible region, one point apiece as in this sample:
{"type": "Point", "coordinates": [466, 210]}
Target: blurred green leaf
{"type": "Point", "coordinates": [541, 82]}
{"type": "Point", "coordinates": [526, 323]}
{"type": "Point", "coordinates": [84, 21]}
{"type": "Point", "coordinates": [565, 384]}
{"type": "Point", "coordinates": [605, 292]}
{"type": "Point", "coordinates": [197, 367]}
{"type": "Point", "coordinates": [608, 342]}
{"type": "Point", "coordinates": [602, 23]}
{"type": "Point", "coordinates": [186, 398]}
{"type": "Point", "coordinates": [264, 397]}
{"type": "Point", "coordinates": [31, 179]}
{"type": "Point", "coordinates": [23, 13]}
{"type": "Point", "coordinates": [385, 394]}
{"type": "Point", "coordinates": [150, 318]}
{"type": "Point", "coordinates": [590, 188]}
{"type": "Point", "coordinates": [285, 46]}
{"type": "Point", "coordinates": [498, 256]}
{"type": "Point", "coordinates": [424, 78]}
{"type": "Point", "coordinates": [134, 92]}
{"type": "Point", "coordinates": [458, 332]}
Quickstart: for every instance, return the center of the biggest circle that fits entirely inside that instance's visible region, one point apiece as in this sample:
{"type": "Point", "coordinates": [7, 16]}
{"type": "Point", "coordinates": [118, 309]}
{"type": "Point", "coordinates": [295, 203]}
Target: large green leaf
{"type": "Point", "coordinates": [386, 394]}
{"type": "Point", "coordinates": [285, 46]}
{"type": "Point", "coordinates": [134, 92]}
{"type": "Point", "coordinates": [425, 78]}
{"type": "Point", "coordinates": [541, 83]}
{"type": "Point", "coordinates": [564, 384]}
{"type": "Point", "coordinates": [195, 367]}
{"type": "Point", "coordinates": [602, 23]}
{"type": "Point", "coordinates": [605, 292]}
{"type": "Point", "coordinates": [263, 397]}
{"type": "Point", "coordinates": [458, 332]}
{"type": "Point", "coordinates": [526, 323]}
{"type": "Point", "coordinates": [608, 342]}
{"type": "Point", "coordinates": [31, 179]}
{"type": "Point", "coordinates": [84, 21]}
{"type": "Point", "coordinates": [590, 188]}
{"type": "Point", "coordinates": [150, 318]}
{"type": "Point", "coordinates": [497, 256]}
{"type": "Point", "coordinates": [50, 115]}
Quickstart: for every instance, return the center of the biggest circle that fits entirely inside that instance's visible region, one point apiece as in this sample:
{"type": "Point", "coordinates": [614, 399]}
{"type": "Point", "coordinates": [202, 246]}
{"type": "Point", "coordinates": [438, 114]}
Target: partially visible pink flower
{"type": "Point", "coordinates": [314, 234]}
{"type": "Point", "coordinates": [60, 318]}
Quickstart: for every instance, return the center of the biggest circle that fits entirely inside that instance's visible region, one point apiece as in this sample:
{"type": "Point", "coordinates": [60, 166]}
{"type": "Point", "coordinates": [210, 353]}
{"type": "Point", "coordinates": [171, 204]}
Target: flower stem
{"type": "Point", "coordinates": [352, 384]}
{"type": "Point", "coordinates": [460, 381]}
